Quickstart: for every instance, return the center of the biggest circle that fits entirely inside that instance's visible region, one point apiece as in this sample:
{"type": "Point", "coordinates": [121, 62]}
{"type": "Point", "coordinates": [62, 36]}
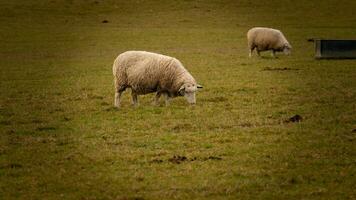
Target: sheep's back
{"type": "Point", "coordinates": [145, 71]}
{"type": "Point", "coordinates": [266, 38]}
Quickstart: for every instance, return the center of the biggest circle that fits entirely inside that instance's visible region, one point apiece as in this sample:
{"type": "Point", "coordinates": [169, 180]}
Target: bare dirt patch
{"type": "Point", "coordinates": [295, 118]}
{"type": "Point", "coordinates": [279, 69]}
{"type": "Point", "coordinates": [46, 128]}
{"type": "Point", "coordinates": [177, 159]}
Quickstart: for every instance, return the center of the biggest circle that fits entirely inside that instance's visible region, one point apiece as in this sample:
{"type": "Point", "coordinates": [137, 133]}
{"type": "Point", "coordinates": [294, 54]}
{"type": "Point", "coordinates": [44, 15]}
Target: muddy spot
{"type": "Point", "coordinates": [56, 110]}
{"type": "Point", "coordinates": [105, 21]}
{"type": "Point", "coordinates": [278, 69]}
{"type": "Point", "coordinates": [66, 119]}
{"type": "Point", "coordinates": [138, 198]}
{"type": "Point", "coordinates": [12, 166]}
{"type": "Point", "coordinates": [177, 159]}
{"type": "Point", "coordinates": [156, 161]}
{"type": "Point", "coordinates": [62, 143]}
{"type": "Point", "coordinates": [214, 158]}
{"type": "Point", "coordinates": [140, 179]}
{"type": "Point", "coordinates": [193, 159]}
{"type": "Point", "coordinates": [295, 118]}
{"type": "Point", "coordinates": [46, 128]}
{"type": "Point", "coordinates": [211, 158]}
{"type": "Point", "coordinates": [292, 180]}
{"type": "Point", "coordinates": [15, 165]}
{"type": "Point", "coordinates": [130, 198]}
{"type": "Point", "coordinates": [354, 131]}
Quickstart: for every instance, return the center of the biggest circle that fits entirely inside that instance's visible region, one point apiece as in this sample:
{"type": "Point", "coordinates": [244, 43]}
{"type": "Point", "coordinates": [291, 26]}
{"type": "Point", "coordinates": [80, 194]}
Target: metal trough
{"type": "Point", "coordinates": [335, 49]}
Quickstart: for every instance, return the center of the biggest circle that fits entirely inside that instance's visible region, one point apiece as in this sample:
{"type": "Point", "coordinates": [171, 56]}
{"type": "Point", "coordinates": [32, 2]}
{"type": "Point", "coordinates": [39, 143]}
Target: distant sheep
{"type": "Point", "coordinates": [264, 39]}
{"type": "Point", "coordinates": [146, 72]}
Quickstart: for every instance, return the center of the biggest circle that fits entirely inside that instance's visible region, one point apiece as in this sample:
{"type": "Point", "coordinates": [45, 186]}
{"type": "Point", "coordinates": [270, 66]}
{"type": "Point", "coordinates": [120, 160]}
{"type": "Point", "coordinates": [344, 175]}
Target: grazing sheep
{"type": "Point", "coordinates": [146, 72]}
{"type": "Point", "coordinates": [264, 39]}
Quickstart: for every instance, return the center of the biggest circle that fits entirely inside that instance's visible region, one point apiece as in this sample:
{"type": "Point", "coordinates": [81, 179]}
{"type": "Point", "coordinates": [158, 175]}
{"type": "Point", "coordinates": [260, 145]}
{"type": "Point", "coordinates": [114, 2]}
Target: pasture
{"type": "Point", "coordinates": [61, 137]}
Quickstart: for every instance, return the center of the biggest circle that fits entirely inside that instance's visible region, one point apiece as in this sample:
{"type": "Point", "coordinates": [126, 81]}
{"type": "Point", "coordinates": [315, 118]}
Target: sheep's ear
{"type": "Point", "coordinates": [199, 86]}
{"type": "Point", "coordinates": [181, 90]}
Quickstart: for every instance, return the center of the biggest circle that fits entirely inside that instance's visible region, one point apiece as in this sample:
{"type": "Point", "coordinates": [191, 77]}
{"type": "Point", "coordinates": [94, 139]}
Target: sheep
{"type": "Point", "coordinates": [147, 72]}
{"type": "Point", "coordinates": [264, 39]}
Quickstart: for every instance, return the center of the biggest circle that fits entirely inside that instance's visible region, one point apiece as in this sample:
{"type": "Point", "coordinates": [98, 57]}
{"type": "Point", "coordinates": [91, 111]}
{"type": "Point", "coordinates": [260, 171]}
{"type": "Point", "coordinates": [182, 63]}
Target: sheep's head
{"type": "Point", "coordinates": [188, 91]}
{"type": "Point", "coordinates": [287, 48]}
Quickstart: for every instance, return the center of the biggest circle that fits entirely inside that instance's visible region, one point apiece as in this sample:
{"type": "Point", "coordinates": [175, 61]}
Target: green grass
{"type": "Point", "coordinates": [61, 138]}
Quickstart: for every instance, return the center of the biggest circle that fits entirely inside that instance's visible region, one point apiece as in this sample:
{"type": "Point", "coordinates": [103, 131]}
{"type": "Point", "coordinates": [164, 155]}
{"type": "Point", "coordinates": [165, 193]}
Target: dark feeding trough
{"type": "Point", "coordinates": [335, 49]}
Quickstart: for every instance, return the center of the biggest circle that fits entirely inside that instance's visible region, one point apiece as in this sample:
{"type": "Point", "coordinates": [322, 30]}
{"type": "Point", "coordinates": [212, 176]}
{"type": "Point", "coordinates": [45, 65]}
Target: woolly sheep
{"type": "Point", "coordinates": [264, 39]}
{"type": "Point", "coordinates": [146, 72]}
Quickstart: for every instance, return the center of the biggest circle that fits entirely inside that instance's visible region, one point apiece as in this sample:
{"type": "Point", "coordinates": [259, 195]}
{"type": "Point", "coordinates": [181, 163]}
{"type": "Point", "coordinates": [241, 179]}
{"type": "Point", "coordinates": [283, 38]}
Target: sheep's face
{"type": "Point", "coordinates": [287, 49]}
{"type": "Point", "coordinates": [190, 97]}
{"type": "Point", "coordinates": [188, 91]}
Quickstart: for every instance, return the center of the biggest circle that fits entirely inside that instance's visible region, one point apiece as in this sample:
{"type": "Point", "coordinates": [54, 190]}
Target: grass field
{"type": "Point", "coordinates": [61, 137]}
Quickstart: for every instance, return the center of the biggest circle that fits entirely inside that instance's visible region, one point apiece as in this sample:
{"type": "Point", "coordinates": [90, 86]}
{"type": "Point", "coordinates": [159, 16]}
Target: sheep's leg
{"type": "Point", "coordinates": [251, 48]}
{"type": "Point", "coordinates": [258, 53]}
{"type": "Point", "coordinates": [167, 99]}
{"type": "Point", "coordinates": [156, 100]}
{"type": "Point", "coordinates": [250, 53]}
{"type": "Point", "coordinates": [117, 98]}
{"type": "Point", "coordinates": [119, 89]}
{"type": "Point", "coordinates": [273, 53]}
{"type": "Point", "coordinates": [134, 99]}
{"type": "Point", "coordinates": [118, 92]}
